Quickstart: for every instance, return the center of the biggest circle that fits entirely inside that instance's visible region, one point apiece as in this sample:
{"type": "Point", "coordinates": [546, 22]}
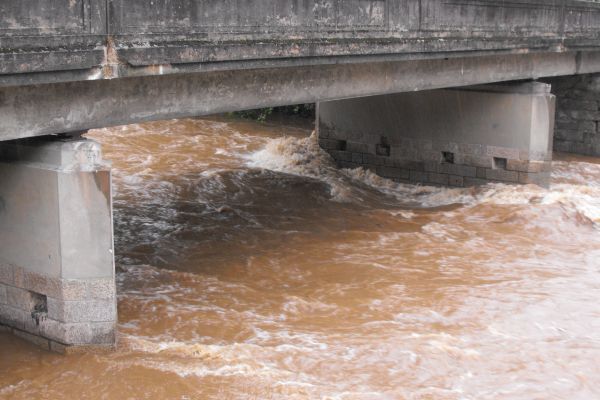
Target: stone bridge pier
{"type": "Point", "coordinates": [457, 137]}
{"type": "Point", "coordinates": [57, 282]}
{"type": "Point", "coordinates": [577, 114]}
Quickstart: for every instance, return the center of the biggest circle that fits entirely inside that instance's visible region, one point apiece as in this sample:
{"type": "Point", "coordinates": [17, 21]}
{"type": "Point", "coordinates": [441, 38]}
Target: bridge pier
{"type": "Point", "coordinates": [577, 114]}
{"type": "Point", "coordinates": [57, 282]}
{"type": "Point", "coordinates": [457, 137]}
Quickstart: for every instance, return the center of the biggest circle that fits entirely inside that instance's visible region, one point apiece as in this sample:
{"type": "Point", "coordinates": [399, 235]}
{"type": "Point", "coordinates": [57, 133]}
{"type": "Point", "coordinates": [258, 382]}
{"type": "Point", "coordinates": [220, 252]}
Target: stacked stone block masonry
{"type": "Point", "coordinates": [577, 114]}
{"type": "Point", "coordinates": [57, 285]}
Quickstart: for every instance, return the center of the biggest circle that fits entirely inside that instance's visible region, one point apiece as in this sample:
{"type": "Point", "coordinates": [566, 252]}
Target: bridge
{"type": "Point", "coordinates": [447, 92]}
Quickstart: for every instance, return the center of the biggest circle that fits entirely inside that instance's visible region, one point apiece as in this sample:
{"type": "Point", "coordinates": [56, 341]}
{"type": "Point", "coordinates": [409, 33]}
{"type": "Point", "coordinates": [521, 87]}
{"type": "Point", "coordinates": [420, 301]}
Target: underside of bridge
{"type": "Point", "coordinates": [420, 91]}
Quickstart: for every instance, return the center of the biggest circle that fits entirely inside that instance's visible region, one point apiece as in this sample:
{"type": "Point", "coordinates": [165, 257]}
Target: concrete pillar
{"type": "Point", "coordinates": [577, 114]}
{"type": "Point", "coordinates": [457, 137]}
{"type": "Point", "coordinates": [57, 281]}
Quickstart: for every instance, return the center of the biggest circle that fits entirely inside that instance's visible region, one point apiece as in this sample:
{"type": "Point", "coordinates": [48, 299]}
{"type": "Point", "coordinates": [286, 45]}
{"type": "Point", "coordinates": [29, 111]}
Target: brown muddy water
{"type": "Point", "coordinates": [249, 267]}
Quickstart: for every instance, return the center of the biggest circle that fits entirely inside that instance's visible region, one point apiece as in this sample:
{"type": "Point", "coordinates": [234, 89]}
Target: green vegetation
{"type": "Point", "coordinates": [262, 114]}
{"type": "Point", "coordinates": [259, 114]}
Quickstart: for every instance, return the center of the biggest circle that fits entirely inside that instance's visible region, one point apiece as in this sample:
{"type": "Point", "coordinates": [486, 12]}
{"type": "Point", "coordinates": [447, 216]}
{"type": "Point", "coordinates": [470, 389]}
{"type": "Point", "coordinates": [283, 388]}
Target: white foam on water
{"type": "Point", "coordinates": [280, 349]}
{"type": "Point", "coordinates": [304, 157]}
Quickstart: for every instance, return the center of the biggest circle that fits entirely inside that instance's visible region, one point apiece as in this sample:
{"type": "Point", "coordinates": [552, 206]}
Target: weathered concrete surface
{"type": "Point", "coordinates": [74, 34]}
{"type": "Point", "coordinates": [56, 249]}
{"type": "Point", "coordinates": [103, 39]}
{"type": "Point", "coordinates": [95, 63]}
{"type": "Point", "coordinates": [456, 137]}
{"type": "Point", "coordinates": [47, 109]}
{"type": "Point", "coordinates": [578, 114]}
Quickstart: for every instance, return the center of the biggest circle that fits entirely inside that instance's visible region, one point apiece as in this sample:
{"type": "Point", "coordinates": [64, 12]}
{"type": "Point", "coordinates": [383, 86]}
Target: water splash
{"type": "Point", "coordinates": [574, 187]}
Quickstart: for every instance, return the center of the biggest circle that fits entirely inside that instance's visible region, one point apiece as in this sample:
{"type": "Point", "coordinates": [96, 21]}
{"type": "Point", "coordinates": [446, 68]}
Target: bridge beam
{"type": "Point", "coordinates": [37, 110]}
{"type": "Point", "coordinates": [457, 137]}
{"type": "Point", "coordinates": [57, 283]}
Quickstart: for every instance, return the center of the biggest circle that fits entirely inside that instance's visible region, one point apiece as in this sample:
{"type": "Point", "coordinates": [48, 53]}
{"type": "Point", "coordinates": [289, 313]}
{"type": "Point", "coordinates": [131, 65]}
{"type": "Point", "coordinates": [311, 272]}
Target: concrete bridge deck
{"type": "Point", "coordinates": [190, 57]}
{"type": "Point", "coordinates": [67, 40]}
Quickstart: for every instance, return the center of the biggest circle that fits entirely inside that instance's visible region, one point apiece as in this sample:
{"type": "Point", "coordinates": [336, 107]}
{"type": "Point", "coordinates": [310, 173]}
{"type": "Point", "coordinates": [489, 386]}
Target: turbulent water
{"type": "Point", "coordinates": [249, 267]}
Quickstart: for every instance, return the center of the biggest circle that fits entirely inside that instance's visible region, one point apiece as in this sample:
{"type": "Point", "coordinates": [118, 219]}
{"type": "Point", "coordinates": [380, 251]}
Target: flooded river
{"type": "Point", "coordinates": [249, 267]}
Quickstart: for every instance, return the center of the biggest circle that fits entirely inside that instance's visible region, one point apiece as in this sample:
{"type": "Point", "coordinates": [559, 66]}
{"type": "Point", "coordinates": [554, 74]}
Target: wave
{"type": "Point", "coordinates": [575, 185]}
